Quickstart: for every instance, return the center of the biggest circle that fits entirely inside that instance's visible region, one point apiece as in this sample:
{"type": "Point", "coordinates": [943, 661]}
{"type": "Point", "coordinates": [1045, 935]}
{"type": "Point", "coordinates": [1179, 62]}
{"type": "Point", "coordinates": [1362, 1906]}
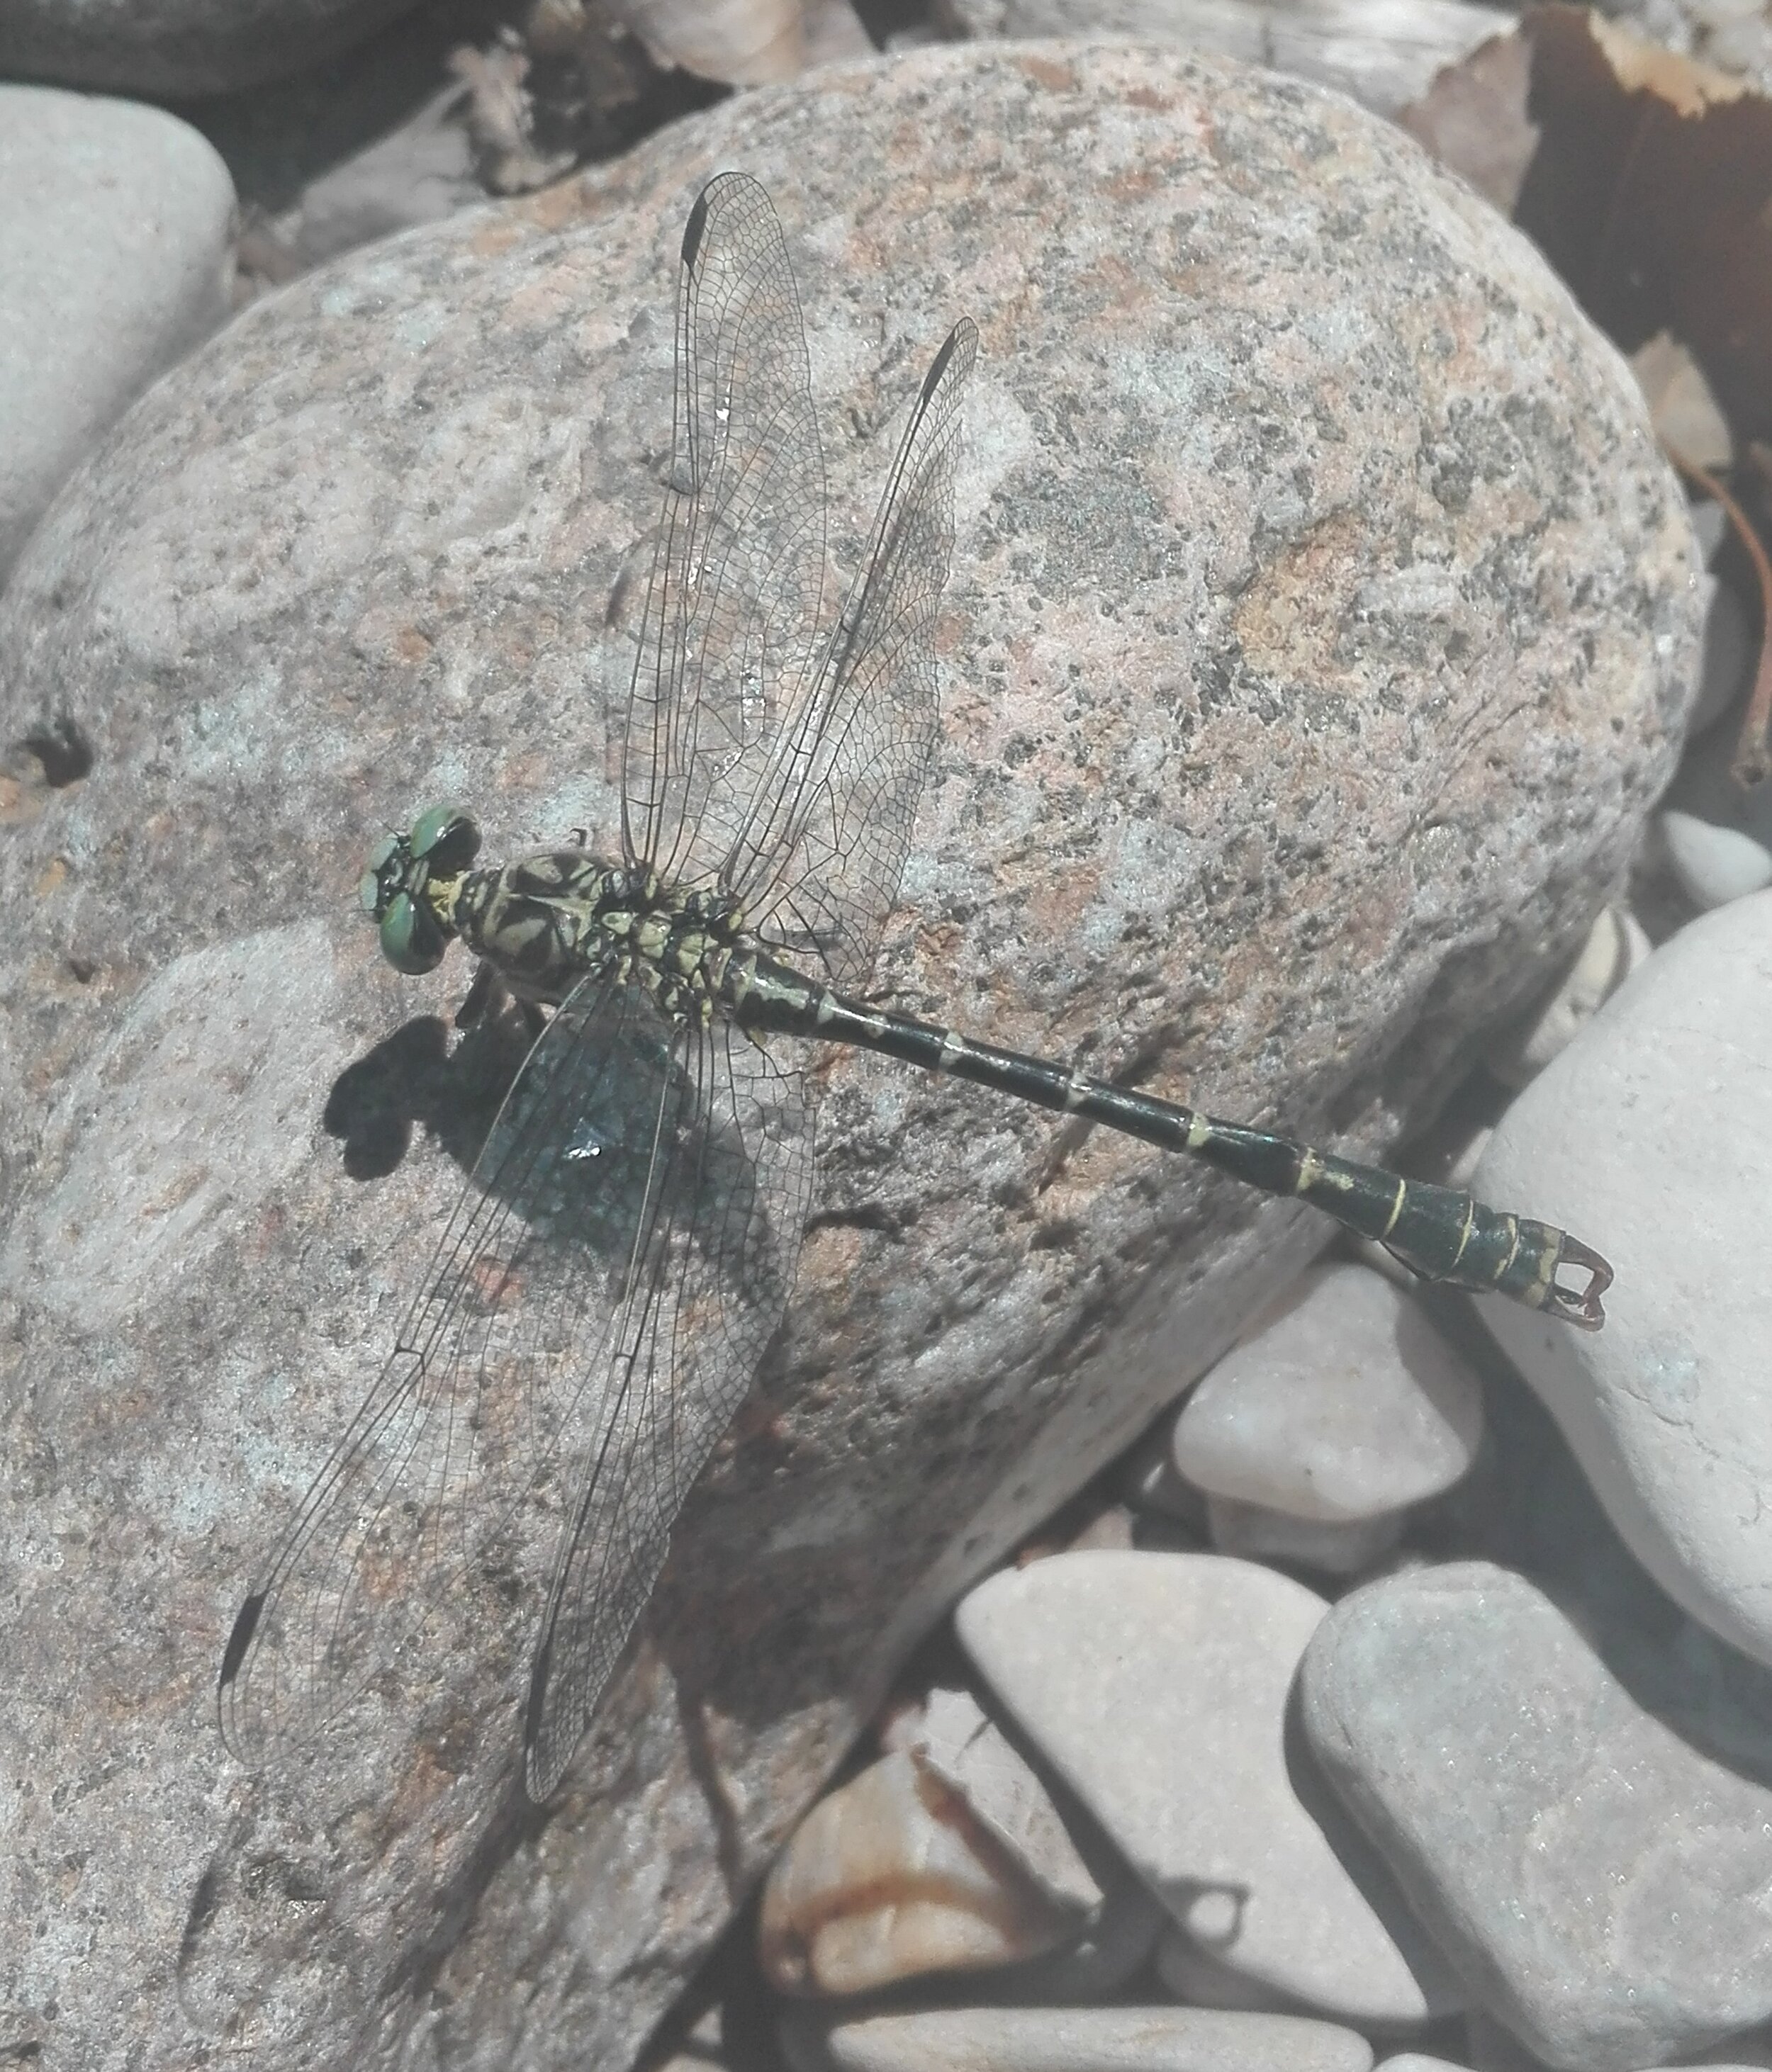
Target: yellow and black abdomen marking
{"type": "Point", "coordinates": [1440, 1232]}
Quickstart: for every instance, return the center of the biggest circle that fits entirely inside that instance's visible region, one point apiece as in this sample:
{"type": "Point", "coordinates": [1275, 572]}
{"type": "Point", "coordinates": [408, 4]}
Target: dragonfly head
{"type": "Point", "coordinates": [408, 888]}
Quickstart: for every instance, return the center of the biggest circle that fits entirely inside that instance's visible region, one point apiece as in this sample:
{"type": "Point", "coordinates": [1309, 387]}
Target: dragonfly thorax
{"type": "Point", "coordinates": [558, 915]}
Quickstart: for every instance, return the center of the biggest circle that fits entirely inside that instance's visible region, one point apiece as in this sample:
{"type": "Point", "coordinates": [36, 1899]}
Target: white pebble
{"type": "Point", "coordinates": [1718, 835]}
{"type": "Point", "coordinates": [1332, 1546]}
{"type": "Point", "coordinates": [1605, 1878]}
{"type": "Point", "coordinates": [1650, 1138]}
{"type": "Point", "coordinates": [1343, 1408]}
{"type": "Point", "coordinates": [1714, 864]}
{"type": "Point", "coordinates": [116, 222]}
{"type": "Point", "coordinates": [1156, 1685]}
{"type": "Point", "coordinates": [1104, 2039]}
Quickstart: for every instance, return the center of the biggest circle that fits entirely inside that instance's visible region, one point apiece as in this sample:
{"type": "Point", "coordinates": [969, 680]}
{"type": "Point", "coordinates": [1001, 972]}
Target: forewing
{"type": "Point", "coordinates": [711, 1277]}
{"type": "Point", "coordinates": [478, 1392]}
{"type": "Point", "coordinates": [733, 609]}
{"type": "Point", "coordinates": [818, 862]}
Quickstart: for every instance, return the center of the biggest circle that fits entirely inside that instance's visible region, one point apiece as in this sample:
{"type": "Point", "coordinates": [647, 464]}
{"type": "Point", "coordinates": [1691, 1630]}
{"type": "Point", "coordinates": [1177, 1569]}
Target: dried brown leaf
{"type": "Point", "coordinates": [1752, 761]}
{"type": "Point", "coordinates": [1688, 87]}
{"type": "Point", "coordinates": [500, 119]}
{"type": "Point", "coordinates": [1681, 407]}
{"type": "Point", "coordinates": [1473, 118]}
{"type": "Point", "coordinates": [1651, 194]}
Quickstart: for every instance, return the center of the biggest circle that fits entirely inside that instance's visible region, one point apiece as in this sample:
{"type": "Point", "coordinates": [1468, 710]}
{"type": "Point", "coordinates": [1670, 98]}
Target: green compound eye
{"type": "Point", "coordinates": [411, 941]}
{"type": "Point", "coordinates": [379, 877]}
{"type": "Point", "coordinates": [446, 839]}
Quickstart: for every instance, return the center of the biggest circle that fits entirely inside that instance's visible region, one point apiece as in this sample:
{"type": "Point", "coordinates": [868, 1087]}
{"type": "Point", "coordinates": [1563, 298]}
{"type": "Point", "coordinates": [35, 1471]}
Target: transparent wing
{"type": "Point", "coordinates": [480, 1388]}
{"type": "Point", "coordinates": [711, 1277]}
{"type": "Point", "coordinates": [819, 855]}
{"type": "Point", "coordinates": [736, 590]}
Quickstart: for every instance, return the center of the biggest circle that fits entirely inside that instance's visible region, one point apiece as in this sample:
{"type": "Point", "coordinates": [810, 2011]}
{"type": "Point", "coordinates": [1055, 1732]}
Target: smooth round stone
{"type": "Point", "coordinates": [1113, 1526]}
{"type": "Point", "coordinates": [1490, 2047]}
{"type": "Point", "coordinates": [1714, 863]}
{"type": "Point", "coordinates": [1616, 946]}
{"type": "Point", "coordinates": [1754, 2056]}
{"type": "Point", "coordinates": [116, 251]}
{"type": "Point", "coordinates": [1257, 1534]}
{"type": "Point", "coordinates": [1196, 1979]}
{"type": "Point", "coordinates": [1719, 836]}
{"type": "Point", "coordinates": [1156, 1686]}
{"type": "Point", "coordinates": [701, 2050]}
{"type": "Point", "coordinates": [1360, 55]}
{"type": "Point", "coordinates": [420, 171]}
{"type": "Point", "coordinates": [1650, 1137]}
{"type": "Point", "coordinates": [1607, 1884]}
{"type": "Point", "coordinates": [1006, 1834]}
{"type": "Point", "coordinates": [1710, 527]}
{"type": "Point", "coordinates": [893, 1876]}
{"type": "Point", "coordinates": [1087, 2039]}
{"type": "Point", "coordinates": [1096, 1966]}
{"type": "Point", "coordinates": [1346, 1407]}
{"type": "Point", "coordinates": [954, 1744]}
{"type": "Point", "coordinates": [739, 42]}
{"type": "Point", "coordinates": [1419, 2061]}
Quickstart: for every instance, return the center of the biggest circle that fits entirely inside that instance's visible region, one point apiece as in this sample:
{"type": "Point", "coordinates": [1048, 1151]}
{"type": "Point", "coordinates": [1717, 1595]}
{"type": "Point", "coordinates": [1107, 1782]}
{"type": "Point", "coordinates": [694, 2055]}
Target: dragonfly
{"type": "Point", "coordinates": [596, 1307]}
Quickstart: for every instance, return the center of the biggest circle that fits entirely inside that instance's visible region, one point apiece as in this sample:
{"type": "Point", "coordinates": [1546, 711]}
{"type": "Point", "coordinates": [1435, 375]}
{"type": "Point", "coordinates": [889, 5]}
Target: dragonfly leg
{"type": "Point", "coordinates": [484, 992]}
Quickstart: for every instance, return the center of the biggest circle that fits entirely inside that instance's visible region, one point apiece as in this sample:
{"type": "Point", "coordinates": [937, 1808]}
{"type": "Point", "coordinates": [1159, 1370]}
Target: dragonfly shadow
{"type": "Point", "coordinates": [512, 1826]}
{"type": "Point", "coordinates": [413, 1077]}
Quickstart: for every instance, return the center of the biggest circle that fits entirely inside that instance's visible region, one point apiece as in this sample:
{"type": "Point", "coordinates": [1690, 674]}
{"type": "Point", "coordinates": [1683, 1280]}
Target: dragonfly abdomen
{"type": "Point", "coordinates": [1441, 1232]}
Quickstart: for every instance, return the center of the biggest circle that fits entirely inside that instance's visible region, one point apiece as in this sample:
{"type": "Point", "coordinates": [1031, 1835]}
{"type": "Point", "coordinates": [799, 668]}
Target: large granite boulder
{"type": "Point", "coordinates": [1317, 642]}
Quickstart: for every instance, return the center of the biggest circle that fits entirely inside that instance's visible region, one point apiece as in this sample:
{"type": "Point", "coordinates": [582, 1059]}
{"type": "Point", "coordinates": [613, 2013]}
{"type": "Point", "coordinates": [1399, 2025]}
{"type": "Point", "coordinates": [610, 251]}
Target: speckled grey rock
{"type": "Point", "coordinates": [1346, 1406]}
{"type": "Point", "coordinates": [1602, 1884]}
{"type": "Point", "coordinates": [1490, 2047]}
{"type": "Point", "coordinates": [1156, 1686]}
{"type": "Point", "coordinates": [179, 47]}
{"type": "Point", "coordinates": [1652, 1135]}
{"type": "Point", "coordinates": [115, 254]}
{"type": "Point", "coordinates": [1104, 2039]}
{"type": "Point", "coordinates": [1318, 633]}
